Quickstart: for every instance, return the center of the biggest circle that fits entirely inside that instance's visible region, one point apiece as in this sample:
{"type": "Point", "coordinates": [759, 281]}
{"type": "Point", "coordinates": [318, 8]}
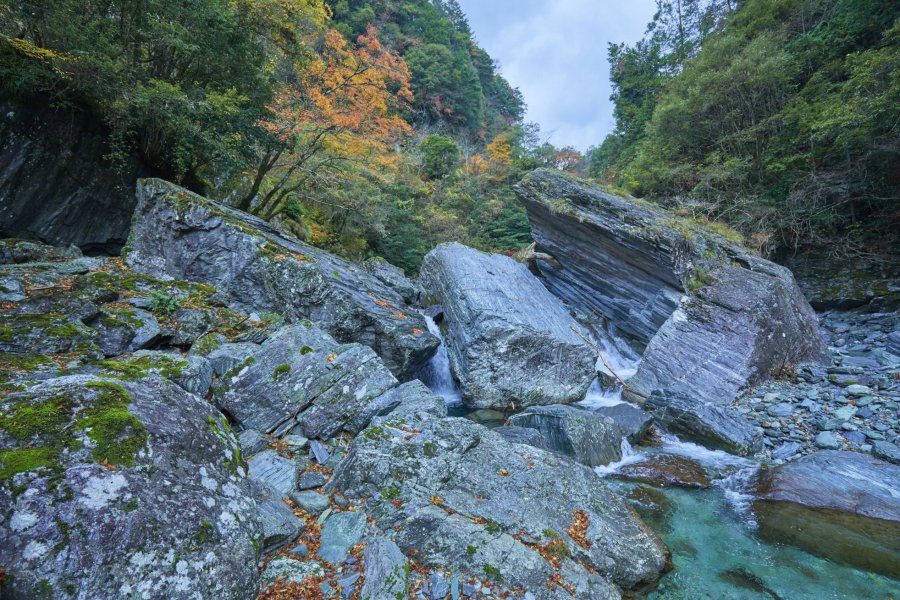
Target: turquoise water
{"type": "Point", "coordinates": [717, 556]}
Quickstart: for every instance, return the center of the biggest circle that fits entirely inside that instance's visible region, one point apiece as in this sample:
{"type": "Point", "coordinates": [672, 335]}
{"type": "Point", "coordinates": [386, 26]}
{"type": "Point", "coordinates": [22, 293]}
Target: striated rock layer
{"type": "Point", "coordinates": [710, 318]}
{"type": "Point", "coordinates": [509, 339]}
{"type": "Point", "coordinates": [179, 234]}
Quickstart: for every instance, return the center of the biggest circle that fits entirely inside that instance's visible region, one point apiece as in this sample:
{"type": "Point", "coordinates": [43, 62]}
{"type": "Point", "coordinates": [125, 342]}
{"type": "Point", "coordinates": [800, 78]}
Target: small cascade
{"type": "Point", "coordinates": [620, 359]}
{"type": "Point", "coordinates": [436, 373]}
{"type": "Point", "coordinates": [629, 457]}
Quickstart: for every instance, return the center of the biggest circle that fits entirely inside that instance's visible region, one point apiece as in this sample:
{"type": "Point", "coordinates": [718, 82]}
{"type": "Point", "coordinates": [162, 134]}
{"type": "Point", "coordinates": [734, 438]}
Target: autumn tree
{"type": "Point", "coordinates": [340, 105]}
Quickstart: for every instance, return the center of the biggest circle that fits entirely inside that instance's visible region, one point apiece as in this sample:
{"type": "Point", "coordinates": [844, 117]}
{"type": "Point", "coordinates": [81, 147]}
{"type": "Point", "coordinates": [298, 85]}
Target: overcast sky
{"type": "Point", "coordinates": [555, 52]}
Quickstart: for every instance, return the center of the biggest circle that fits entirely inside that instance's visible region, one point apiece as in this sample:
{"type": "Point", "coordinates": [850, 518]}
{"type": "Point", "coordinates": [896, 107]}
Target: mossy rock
{"type": "Point", "coordinates": [50, 333]}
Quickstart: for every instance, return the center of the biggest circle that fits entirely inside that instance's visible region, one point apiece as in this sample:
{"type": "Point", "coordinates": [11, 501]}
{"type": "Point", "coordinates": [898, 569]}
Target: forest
{"type": "Point", "coordinates": [382, 128]}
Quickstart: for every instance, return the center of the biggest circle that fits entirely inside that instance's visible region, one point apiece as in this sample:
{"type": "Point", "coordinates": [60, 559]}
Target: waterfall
{"type": "Point", "coordinates": [436, 373]}
{"type": "Point", "coordinates": [629, 457]}
{"type": "Point", "coordinates": [620, 359]}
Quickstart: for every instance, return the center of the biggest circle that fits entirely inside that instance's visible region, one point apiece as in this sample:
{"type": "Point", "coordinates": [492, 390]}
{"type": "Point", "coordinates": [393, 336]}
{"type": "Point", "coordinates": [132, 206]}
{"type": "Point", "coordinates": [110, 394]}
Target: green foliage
{"type": "Point", "coordinates": [164, 304]}
{"type": "Point", "coordinates": [440, 156]}
{"type": "Point", "coordinates": [784, 122]}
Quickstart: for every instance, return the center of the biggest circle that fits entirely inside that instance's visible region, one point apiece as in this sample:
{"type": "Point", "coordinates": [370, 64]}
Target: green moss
{"type": "Point", "coordinates": [470, 550]}
{"type": "Point", "coordinates": [206, 344]}
{"type": "Point", "coordinates": [375, 433]}
{"type": "Point", "coordinates": [493, 573]}
{"type": "Point", "coordinates": [117, 434]}
{"type": "Point", "coordinates": [698, 280]}
{"type": "Point", "coordinates": [558, 549]}
{"type": "Point", "coordinates": [281, 371]}
{"type": "Point", "coordinates": [164, 304]}
{"type": "Point", "coordinates": [204, 534]}
{"type": "Point", "coordinates": [21, 460]}
{"type": "Point", "coordinates": [390, 492]}
{"type": "Point", "coordinates": [131, 505]}
{"type": "Point", "coordinates": [138, 368]}
{"type": "Point", "coordinates": [306, 350]}
{"type": "Point", "coordinates": [493, 528]}
{"type": "Point", "coordinates": [550, 534]}
{"type": "Point", "coordinates": [249, 361]}
{"type": "Point", "coordinates": [430, 449]}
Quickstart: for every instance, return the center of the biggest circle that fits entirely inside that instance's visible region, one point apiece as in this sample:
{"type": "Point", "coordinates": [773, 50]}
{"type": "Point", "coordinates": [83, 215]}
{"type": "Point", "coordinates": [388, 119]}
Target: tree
{"type": "Point", "coordinates": [341, 105]}
{"type": "Point", "coordinates": [440, 156]}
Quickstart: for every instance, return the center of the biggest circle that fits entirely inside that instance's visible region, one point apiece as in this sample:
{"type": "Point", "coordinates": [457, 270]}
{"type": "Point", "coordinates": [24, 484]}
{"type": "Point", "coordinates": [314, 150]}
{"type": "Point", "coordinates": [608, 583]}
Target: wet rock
{"type": "Point", "coordinates": [116, 475]}
{"type": "Point", "coordinates": [509, 340]}
{"type": "Point", "coordinates": [182, 235]}
{"type": "Point", "coordinates": [279, 524]}
{"type": "Point", "coordinates": [588, 437]}
{"type": "Point", "coordinates": [341, 532]}
{"type": "Point", "coordinates": [386, 570]}
{"type": "Point", "coordinates": [786, 451]}
{"type": "Point", "coordinates": [704, 423]}
{"type": "Point", "coordinates": [301, 381]}
{"type": "Point", "coordinates": [841, 505]}
{"type": "Point", "coordinates": [710, 318]}
{"type": "Point", "coordinates": [461, 494]}
{"type": "Point", "coordinates": [631, 420]}
{"type": "Point", "coordinates": [665, 470]}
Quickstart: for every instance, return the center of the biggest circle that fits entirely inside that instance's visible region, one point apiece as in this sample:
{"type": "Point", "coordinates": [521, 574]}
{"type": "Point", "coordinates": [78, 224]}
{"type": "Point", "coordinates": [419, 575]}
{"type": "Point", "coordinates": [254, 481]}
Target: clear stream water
{"type": "Point", "coordinates": [711, 533]}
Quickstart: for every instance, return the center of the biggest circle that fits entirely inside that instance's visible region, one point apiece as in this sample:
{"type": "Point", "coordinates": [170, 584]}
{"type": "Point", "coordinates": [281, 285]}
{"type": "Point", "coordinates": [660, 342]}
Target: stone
{"type": "Point", "coordinates": [252, 442]}
{"type": "Point", "coordinates": [886, 451]}
{"type": "Point", "coordinates": [56, 183]}
{"type": "Point", "coordinates": [786, 450]}
{"type": "Point", "coordinates": [301, 380]}
{"type": "Point", "coordinates": [312, 502]}
{"type": "Point", "coordinates": [226, 357]}
{"type": "Point", "coordinates": [157, 471]}
{"type": "Point", "coordinates": [783, 409]}
{"type": "Point", "coordinates": [51, 333]}
{"type": "Point", "coordinates": [386, 570]}
{"type": "Point", "coordinates": [666, 470]}
{"type": "Point", "coordinates": [289, 570]}
{"type": "Point", "coordinates": [840, 505]}
{"type": "Point", "coordinates": [827, 440]}
{"type": "Point", "coordinates": [858, 390]}
{"type": "Point", "coordinates": [521, 435]}
{"type": "Point", "coordinates": [509, 340]}
{"type": "Point", "coordinates": [632, 421]}
{"type": "Point", "coordinates": [179, 234]}
{"type": "Point", "coordinates": [394, 278]}
{"type": "Point", "coordinates": [319, 452]}
{"type": "Point", "coordinates": [280, 526]}
{"type": "Point", "coordinates": [588, 437]}
{"type": "Point", "coordinates": [855, 437]}
{"type": "Point", "coordinates": [845, 413]}
{"type": "Point", "coordinates": [341, 532]}
{"type": "Point", "coordinates": [705, 423]}
{"type": "Point", "coordinates": [273, 470]}
{"type": "Point", "coordinates": [439, 587]}
{"type": "Point", "coordinates": [411, 401]}
{"type": "Point", "coordinates": [125, 330]}
{"type": "Point", "coordinates": [463, 492]}
{"type": "Point", "coordinates": [710, 318]}
{"type": "Point", "coordinates": [311, 479]}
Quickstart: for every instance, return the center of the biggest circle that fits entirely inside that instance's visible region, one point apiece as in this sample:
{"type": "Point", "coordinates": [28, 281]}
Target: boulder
{"type": "Point", "coordinates": [840, 505]}
{"type": "Point", "coordinates": [509, 340]}
{"type": "Point", "coordinates": [710, 318]}
{"type": "Point", "coordinates": [386, 570]}
{"type": "Point", "coordinates": [139, 481]}
{"type": "Point", "coordinates": [13, 251]}
{"type": "Point", "coordinates": [300, 380]}
{"type": "Point", "coordinates": [588, 437]}
{"type": "Point", "coordinates": [705, 423]}
{"type": "Point", "coordinates": [125, 330]}
{"type": "Point", "coordinates": [394, 278]}
{"type": "Point", "coordinates": [522, 435]}
{"type": "Point", "coordinates": [666, 470]}
{"type": "Point", "coordinates": [631, 420]}
{"type": "Point", "coordinates": [411, 400]}
{"type": "Point", "coordinates": [341, 532]}
{"type": "Point", "coordinates": [179, 234]}
{"type": "Point", "coordinates": [461, 497]}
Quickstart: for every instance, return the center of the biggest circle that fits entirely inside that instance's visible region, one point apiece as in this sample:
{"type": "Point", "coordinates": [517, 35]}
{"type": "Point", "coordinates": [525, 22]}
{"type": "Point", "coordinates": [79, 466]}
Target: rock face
{"type": "Point", "coordinates": [179, 234]}
{"type": "Point", "coordinates": [590, 438]}
{"type": "Point", "coordinates": [704, 422]}
{"type": "Point", "coordinates": [302, 380]}
{"type": "Point", "coordinates": [509, 339]}
{"type": "Point", "coordinates": [710, 318]}
{"type": "Point", "coordinates": [118, 489]}
{"type": "Point", "coordinates": [54, 180]}
{"type": "Point", "coordinates": [842, 505]}
{"type": "Point", "coordinates": [466, 499]}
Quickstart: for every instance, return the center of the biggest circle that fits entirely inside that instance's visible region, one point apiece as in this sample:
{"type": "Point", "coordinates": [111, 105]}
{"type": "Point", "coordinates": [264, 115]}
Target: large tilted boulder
{"type": "Point", "coordinates": [122, 489]}
{"type": "Point", "coordinates": [589, 437]}
{"type": "Point", "coordinates": [461, 497]}
{"type": "Point", "coordinates": [841, 505]}
{"type": "Point", "coordinates": [509, 339]}
{"type": "Point", "coordinates": [301, 380]}
{"type": "Point", "coordinates": [179, 234]}
{"type": "Point", "coordinates": [710, 318]}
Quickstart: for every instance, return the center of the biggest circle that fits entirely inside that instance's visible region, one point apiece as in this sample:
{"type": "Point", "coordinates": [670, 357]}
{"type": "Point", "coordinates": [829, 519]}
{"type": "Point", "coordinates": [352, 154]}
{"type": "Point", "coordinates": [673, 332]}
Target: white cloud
{"type": "Point", "coordinates": [555, 52]}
